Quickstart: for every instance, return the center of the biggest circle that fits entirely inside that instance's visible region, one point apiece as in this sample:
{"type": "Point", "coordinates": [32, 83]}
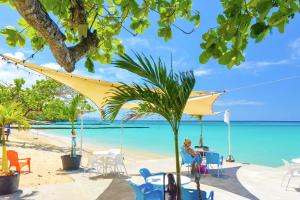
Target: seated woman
{"type": "Point", "coordinates": [187, 149]}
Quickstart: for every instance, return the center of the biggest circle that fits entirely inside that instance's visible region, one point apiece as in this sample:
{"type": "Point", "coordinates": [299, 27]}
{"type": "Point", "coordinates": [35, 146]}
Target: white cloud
{"type": "Point", "coordinates": [136, 42]}
{"type": "Point", "coordinates": [9, 72]}
{"type": "Point", "coordinates": [202, 72]}
{"type": "Point", "coordinates": [166, 48]}
{"type": "Point", "coordinates": [109, 74]}
{"type": "Point", "coordinates": [240, 102]}
{"type": "Point", "coordinates": [261, 64]}
{"type": "Point", "coordinates": [52, 66]}
{"type": "Point", "coordinates": [295, 47]}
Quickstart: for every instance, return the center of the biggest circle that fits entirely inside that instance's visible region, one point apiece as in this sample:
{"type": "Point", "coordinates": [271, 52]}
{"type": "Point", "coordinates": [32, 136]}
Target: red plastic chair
{"type": "Point", "coordinates": [15, 161]}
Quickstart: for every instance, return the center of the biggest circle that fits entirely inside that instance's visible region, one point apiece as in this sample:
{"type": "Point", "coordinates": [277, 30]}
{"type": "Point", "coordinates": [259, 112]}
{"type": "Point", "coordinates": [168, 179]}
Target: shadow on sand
{"type": "Point", "coordinates": [228, 181]}
{"type": "Point", "coordinates": [43, 147]}
{"type": "Point", "coordinates": [118, 188]}
{"type": "Point", "coordinates": [20, 195]}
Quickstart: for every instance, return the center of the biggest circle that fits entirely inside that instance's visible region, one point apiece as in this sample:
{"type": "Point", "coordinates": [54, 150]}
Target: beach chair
{"type": "Point", "coordinates": [15, 161]}
{"type": "Point", "coordinates": [116, 162]}
{"type": "Point", "coordinates": [187, 160]}
{"type": "Point", "coordinates": [93, 165]}
{"type": "Point", "coordinates": [146, 191]}
{"type": "Point", "coordinates": [293, 170]}
{"type": "Point", "coordinates": [114, 151]}
{"type": "Point", "coordinates": [145, 173]}
{"type": "Point", "coordinates": [192, 194]}
{"type": "Point", "coordinates": [214, 159]}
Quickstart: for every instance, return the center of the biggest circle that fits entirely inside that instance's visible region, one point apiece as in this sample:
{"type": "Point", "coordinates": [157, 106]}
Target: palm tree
{"type": "Point", "coordinates": [10, 113]}
{"type": "Point", "coordinates": [77, 105]}
{"type": "Point", "coordinates": [164, 93]}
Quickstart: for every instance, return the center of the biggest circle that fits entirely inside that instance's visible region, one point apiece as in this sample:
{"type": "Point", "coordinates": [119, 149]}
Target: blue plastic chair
{"type": "Point", "coordinates": [145, 173]}
{"type": "Point", "coordinates": [188, 160]}
{"type": "Point", "coordinates": [145, 191]}
{"type": "Point", "coordinates": [190, 194]}
{"type": "Point", "coordinates": [214, 159]}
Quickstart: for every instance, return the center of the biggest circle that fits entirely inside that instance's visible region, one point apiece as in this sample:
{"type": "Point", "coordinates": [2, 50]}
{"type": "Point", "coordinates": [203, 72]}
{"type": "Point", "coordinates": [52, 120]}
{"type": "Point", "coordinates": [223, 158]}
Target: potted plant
{"type": "Point", "coordinates": [10, 113]}
{"type": "Point", "coordinates": [77, 105]}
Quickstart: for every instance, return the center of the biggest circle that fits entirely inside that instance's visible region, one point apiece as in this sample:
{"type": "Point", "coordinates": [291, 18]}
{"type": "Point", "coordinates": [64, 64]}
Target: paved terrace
{"type": "Point", "coordinates": [239, 181]}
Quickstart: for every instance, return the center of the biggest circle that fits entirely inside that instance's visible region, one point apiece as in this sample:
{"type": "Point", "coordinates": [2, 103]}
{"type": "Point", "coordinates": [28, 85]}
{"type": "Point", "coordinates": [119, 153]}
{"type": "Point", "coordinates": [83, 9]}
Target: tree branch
{"type": "Point", "coordinates": [35, 14]}
{"type": "Point", "coordinates": [78, 13]}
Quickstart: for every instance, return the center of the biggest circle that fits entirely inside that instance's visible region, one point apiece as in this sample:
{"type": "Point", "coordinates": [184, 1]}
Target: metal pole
{"type": "Point", "coordinates": [121, 139]}
{"type": "Point", "coordinates": [229, 145]}
{"type": "Point", "coordinates": [230, 157]}
{"type": "Point", "coordinates": [81, 131]}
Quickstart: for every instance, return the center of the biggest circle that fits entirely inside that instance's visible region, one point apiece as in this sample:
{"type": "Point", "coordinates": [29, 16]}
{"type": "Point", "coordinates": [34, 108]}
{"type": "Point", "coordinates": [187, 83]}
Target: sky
{"type": "Point", "coordinates": [275, 58]}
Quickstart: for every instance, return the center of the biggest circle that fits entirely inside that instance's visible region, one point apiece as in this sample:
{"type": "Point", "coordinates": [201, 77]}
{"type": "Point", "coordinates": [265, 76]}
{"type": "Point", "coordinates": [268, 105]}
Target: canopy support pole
{"type": "Point", "coordinates": [81, 132]}
{"type": "Point", "coordinates": [230, 157]}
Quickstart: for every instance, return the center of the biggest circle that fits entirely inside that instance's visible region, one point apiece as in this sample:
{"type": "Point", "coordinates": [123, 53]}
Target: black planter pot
{"type": "Point", "coordinates": [70, 163]}
{"type": "Point", "coordinates": [9, 184]}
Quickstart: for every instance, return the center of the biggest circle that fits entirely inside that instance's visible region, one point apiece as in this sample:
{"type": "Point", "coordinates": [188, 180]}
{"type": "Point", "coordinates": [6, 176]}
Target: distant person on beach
{"type": "Point", "coordinates": [7, 132]}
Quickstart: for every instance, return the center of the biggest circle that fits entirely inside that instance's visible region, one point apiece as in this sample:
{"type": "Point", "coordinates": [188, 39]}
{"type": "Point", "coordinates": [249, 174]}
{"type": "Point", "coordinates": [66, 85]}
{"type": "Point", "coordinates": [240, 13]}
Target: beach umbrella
{"type": "Point", "coordinates": [227, 121]}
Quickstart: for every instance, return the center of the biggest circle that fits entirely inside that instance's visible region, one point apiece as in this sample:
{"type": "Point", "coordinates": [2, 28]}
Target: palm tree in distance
{"type": "Point", "coordinates": [163, 93]}
{"type": "Point", "coordinates": [10, 113]}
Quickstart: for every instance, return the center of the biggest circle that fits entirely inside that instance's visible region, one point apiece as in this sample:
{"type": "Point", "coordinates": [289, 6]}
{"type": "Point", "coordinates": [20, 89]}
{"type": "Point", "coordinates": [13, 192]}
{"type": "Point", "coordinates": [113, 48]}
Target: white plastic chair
{"type": "Point", "coordinates": [93, 165]}
{"type": "Point", "coordinates": [116, 163]}
{"type": "Point", "coordinates": [293, 170]}
{"type": "Point", "coordinates": [114, 151]}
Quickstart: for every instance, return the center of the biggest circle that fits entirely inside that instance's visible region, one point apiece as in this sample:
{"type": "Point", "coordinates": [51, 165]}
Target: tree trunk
{"type": "Point", "coordinates": [73, 147]}
{"type": "Point", "coordinates": [37, 17]}
{"type": "Point", "coordinates": [178, 179]}
{"type": "Point", "coordinates": [4, 153]}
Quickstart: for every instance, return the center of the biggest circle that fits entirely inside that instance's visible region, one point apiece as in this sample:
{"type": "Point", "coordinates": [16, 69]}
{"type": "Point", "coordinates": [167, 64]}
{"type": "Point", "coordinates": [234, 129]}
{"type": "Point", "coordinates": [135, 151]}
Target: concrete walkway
{"type": "Point", "coordinates": [238, 182]}
{"type": "Point", "coordinates": [83, 188]}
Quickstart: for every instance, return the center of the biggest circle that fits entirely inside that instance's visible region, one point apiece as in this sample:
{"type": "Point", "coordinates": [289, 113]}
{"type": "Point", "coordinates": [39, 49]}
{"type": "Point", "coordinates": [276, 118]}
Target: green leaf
{"type": "Point", "coordinates": [257, 29]}
{"type": "Point", "coordinates": [37, 43]}
{"type": "Point", "coordinates": [13, 36]}
{"type": "Point", "coordinates": [196, 20]}
{"type": "Point", "coordinates": [89, 64]}
{"type": "Point", "coordinates": [82, 29]}
{"type": "Point", "coordinates": [225, 58]}
{"type": "Point", "coordinates": [22, 23]}
{"type": "Point", "coordinates": [204, 57]}
{"type": "Point", "coordinates": [221, 19]}
{"type": "Point", "coordinates": [264, 7]}
{"type": "Point", "coordinates": [277, 18]}
{"type": "Point", "coordinates": [281, 27]}
{"type": "Point", "coordinates": [165, 32]}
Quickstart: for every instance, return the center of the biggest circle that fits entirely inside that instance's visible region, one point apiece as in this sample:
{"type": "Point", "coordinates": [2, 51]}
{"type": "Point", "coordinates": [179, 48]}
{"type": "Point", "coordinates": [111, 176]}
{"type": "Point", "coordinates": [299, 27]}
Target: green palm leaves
{"type": "Point", "coordinates": [163, 93]}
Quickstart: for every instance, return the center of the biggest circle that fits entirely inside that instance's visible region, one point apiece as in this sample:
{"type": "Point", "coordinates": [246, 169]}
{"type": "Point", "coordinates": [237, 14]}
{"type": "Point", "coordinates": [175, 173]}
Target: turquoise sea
{"type": "Point", "coordinates": [263, 143]}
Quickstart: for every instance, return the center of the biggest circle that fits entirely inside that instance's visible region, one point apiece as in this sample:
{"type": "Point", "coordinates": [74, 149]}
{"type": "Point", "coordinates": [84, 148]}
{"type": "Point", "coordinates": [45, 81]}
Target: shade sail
{"type": "Point", "coordinates": [200, 102]}
{"type": "Point", "coordinates": [95, 90]}
{"type": "Point", "coordinates": [197, 105]}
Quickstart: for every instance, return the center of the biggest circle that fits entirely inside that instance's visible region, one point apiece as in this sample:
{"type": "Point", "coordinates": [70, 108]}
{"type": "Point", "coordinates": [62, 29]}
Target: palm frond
{"type": "Point", "coordinates": [164, 93]}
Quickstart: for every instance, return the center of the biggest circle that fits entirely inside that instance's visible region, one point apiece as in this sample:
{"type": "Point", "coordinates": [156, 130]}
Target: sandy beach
{"type": "Point", "coordinates": [47, 180]}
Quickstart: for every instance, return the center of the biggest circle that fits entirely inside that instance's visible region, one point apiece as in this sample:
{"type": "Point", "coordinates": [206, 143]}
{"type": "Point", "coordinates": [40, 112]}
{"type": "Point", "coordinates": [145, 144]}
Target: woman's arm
{"type": "Point", "coordinates": [192, 152]}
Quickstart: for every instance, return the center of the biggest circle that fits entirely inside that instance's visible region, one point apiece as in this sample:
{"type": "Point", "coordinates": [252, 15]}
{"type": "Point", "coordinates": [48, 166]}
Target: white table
{"type": "Point", "coordinates": [100, 153]}
{"type": "Point", "coordinates": [296, 160]}
{"type": "Point", "coordinates": [158, 180]}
